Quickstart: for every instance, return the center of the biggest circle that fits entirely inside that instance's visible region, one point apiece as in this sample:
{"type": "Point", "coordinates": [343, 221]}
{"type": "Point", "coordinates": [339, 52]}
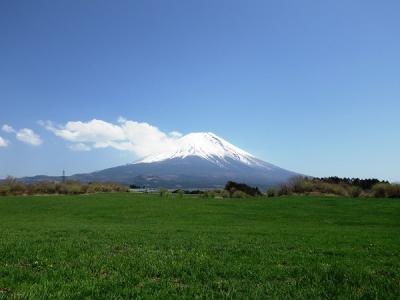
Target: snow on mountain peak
{"type": "Point", "coordinates": [206, 145]}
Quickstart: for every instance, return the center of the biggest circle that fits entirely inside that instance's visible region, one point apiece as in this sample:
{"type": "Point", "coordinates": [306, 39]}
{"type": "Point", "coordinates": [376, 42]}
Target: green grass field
{"type": "Point", "coordinates": [111, 246]}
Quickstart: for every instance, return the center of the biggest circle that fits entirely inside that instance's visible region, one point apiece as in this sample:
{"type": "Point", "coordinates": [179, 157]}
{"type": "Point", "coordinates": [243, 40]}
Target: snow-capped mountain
{"type": "Point", "coordinates": [198, 160]}
{"type": "Point", "coordinates": [205, 145]}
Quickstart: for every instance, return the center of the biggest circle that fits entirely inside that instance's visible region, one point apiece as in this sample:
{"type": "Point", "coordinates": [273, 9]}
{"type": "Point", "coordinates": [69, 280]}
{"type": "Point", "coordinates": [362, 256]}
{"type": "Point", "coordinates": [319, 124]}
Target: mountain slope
{"type": "Point", "coordinates": [205, 145]}
{"type": "Point", "coordinates": [199, 160]}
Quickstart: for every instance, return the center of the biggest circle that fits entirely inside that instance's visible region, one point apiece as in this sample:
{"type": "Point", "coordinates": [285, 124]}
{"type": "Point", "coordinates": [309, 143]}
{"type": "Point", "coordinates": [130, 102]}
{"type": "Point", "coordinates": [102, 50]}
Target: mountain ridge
{"type": "Point", "coordinates": [206, 145]}
{"type": "Point", "coordinates": [198, 160]}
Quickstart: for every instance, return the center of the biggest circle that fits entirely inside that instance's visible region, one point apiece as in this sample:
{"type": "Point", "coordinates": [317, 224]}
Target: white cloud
{"type": "Point", "coordinates": [79, 147]}
{"type": "Point", "coordinates": [140, 138]}
{"type": "Point", "coordinates": [3, 142]}
{"type": "Point", "coordinates": [27, 136]}
{"type": "Point", "coordinates": [94, 131]}
{"type": "Point", "coordinates": [7, 128]}
{"type": "Point", "coordinates": [146, 139]}
{"type": "Point", "coordinates": [122, 120]}
{"type": "Point", "coordinates": [176, 134]}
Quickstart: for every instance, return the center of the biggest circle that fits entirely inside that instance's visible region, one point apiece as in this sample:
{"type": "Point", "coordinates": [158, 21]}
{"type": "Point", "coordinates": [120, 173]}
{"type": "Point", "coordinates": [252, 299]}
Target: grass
{"type": "Point", "coordinates": [113, 246]}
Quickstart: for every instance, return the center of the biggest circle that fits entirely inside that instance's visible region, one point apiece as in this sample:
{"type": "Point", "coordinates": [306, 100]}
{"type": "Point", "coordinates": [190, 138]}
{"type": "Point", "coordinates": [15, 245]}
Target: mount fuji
{"type": "Point", "coordinates": [197, 160]}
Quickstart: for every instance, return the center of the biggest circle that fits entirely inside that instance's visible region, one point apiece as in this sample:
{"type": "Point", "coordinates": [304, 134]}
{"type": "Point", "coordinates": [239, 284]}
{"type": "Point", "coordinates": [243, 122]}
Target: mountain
{"type": "Point", "coordinates": [199, 160]}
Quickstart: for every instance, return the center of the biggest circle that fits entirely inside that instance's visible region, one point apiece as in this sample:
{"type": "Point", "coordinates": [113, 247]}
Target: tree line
{"type": "Point", "coordinates": [13, 187]}
{"type": "Point", "coordinates": [348, 187]}
{"type": "Point", "coordinates": [365, 184]}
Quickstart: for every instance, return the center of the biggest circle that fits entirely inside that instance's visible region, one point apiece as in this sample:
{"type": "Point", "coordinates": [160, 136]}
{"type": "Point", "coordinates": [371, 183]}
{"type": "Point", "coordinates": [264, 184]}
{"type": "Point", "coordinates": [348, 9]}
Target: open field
{"type": "Point", "coordinates": [123, 245]}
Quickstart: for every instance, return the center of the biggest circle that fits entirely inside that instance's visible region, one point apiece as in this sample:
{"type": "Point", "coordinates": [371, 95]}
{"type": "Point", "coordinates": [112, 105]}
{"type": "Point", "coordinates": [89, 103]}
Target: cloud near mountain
{"type": "Point", "coordinates": [140, 138]}
{"type": "Point", "coordinates": [196, 160]}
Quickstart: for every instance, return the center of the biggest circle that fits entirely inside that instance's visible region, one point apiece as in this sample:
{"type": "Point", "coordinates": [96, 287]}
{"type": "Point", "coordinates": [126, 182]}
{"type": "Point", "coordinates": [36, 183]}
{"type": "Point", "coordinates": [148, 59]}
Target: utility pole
{"type": "Point", "coordinates": [63, 176]}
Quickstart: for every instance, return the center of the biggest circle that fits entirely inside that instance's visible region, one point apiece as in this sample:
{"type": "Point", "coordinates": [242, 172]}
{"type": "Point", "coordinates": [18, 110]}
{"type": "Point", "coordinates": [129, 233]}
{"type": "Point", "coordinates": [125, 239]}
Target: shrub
{"type": "Point", "coordinates": [239, 194]}
{"type": "Point", "coordinates": [233, 186]}
{"type": "Point", "coordinates": [225, 194]}
{"type": "Point", "coordinates": [271, 192]}
{"type": "Point", "coordinates": [364, 184]}
{"type": "Point", "coordinates": [285, 189]}
{"type": "Point", "coordinates": [18, 189]}
{"type": "Point", "coordinates": [204, 195]}
{"type": "Point", "coordinates": [43, 187]}
{"type": "Point", "coordinates": [84, 188]}
{"type": "Point", "coordinates": [379, 190]}
{"type": "Point", "coordinates": [62, 188]}
{"type": "Point", "coordinates": [11, 186]}
{"type": "Point", "coordinates": [301, 185]}
{"type": "Point", "coordinates": [209, 194]}
{"type": "Point", "coordinates": [331, 188]}
{"type": "Point", "coordinates": [393, 190]}
{"type": "Point", "coordinates": [180, 193]}
{"type": "Point", "coordinates": [355, 192]}
{"type": "Point", "coordinates": [163, 192]}
{"type": "Point", "coordinates": [297, 184]}
{"type": "Point", "coordinates": [74, 189]}
{"type": "Point", "coordinates": [4, 190]}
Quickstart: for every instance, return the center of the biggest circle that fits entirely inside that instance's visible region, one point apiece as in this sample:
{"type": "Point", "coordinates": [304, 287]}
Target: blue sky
{"type": "Point", "coordinates": [312, 86]}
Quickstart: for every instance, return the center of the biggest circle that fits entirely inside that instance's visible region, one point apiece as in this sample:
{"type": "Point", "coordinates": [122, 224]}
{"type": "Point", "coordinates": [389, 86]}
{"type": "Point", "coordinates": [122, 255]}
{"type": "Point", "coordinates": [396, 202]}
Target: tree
{"type": "Point", "coordinates": [232, 187]}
